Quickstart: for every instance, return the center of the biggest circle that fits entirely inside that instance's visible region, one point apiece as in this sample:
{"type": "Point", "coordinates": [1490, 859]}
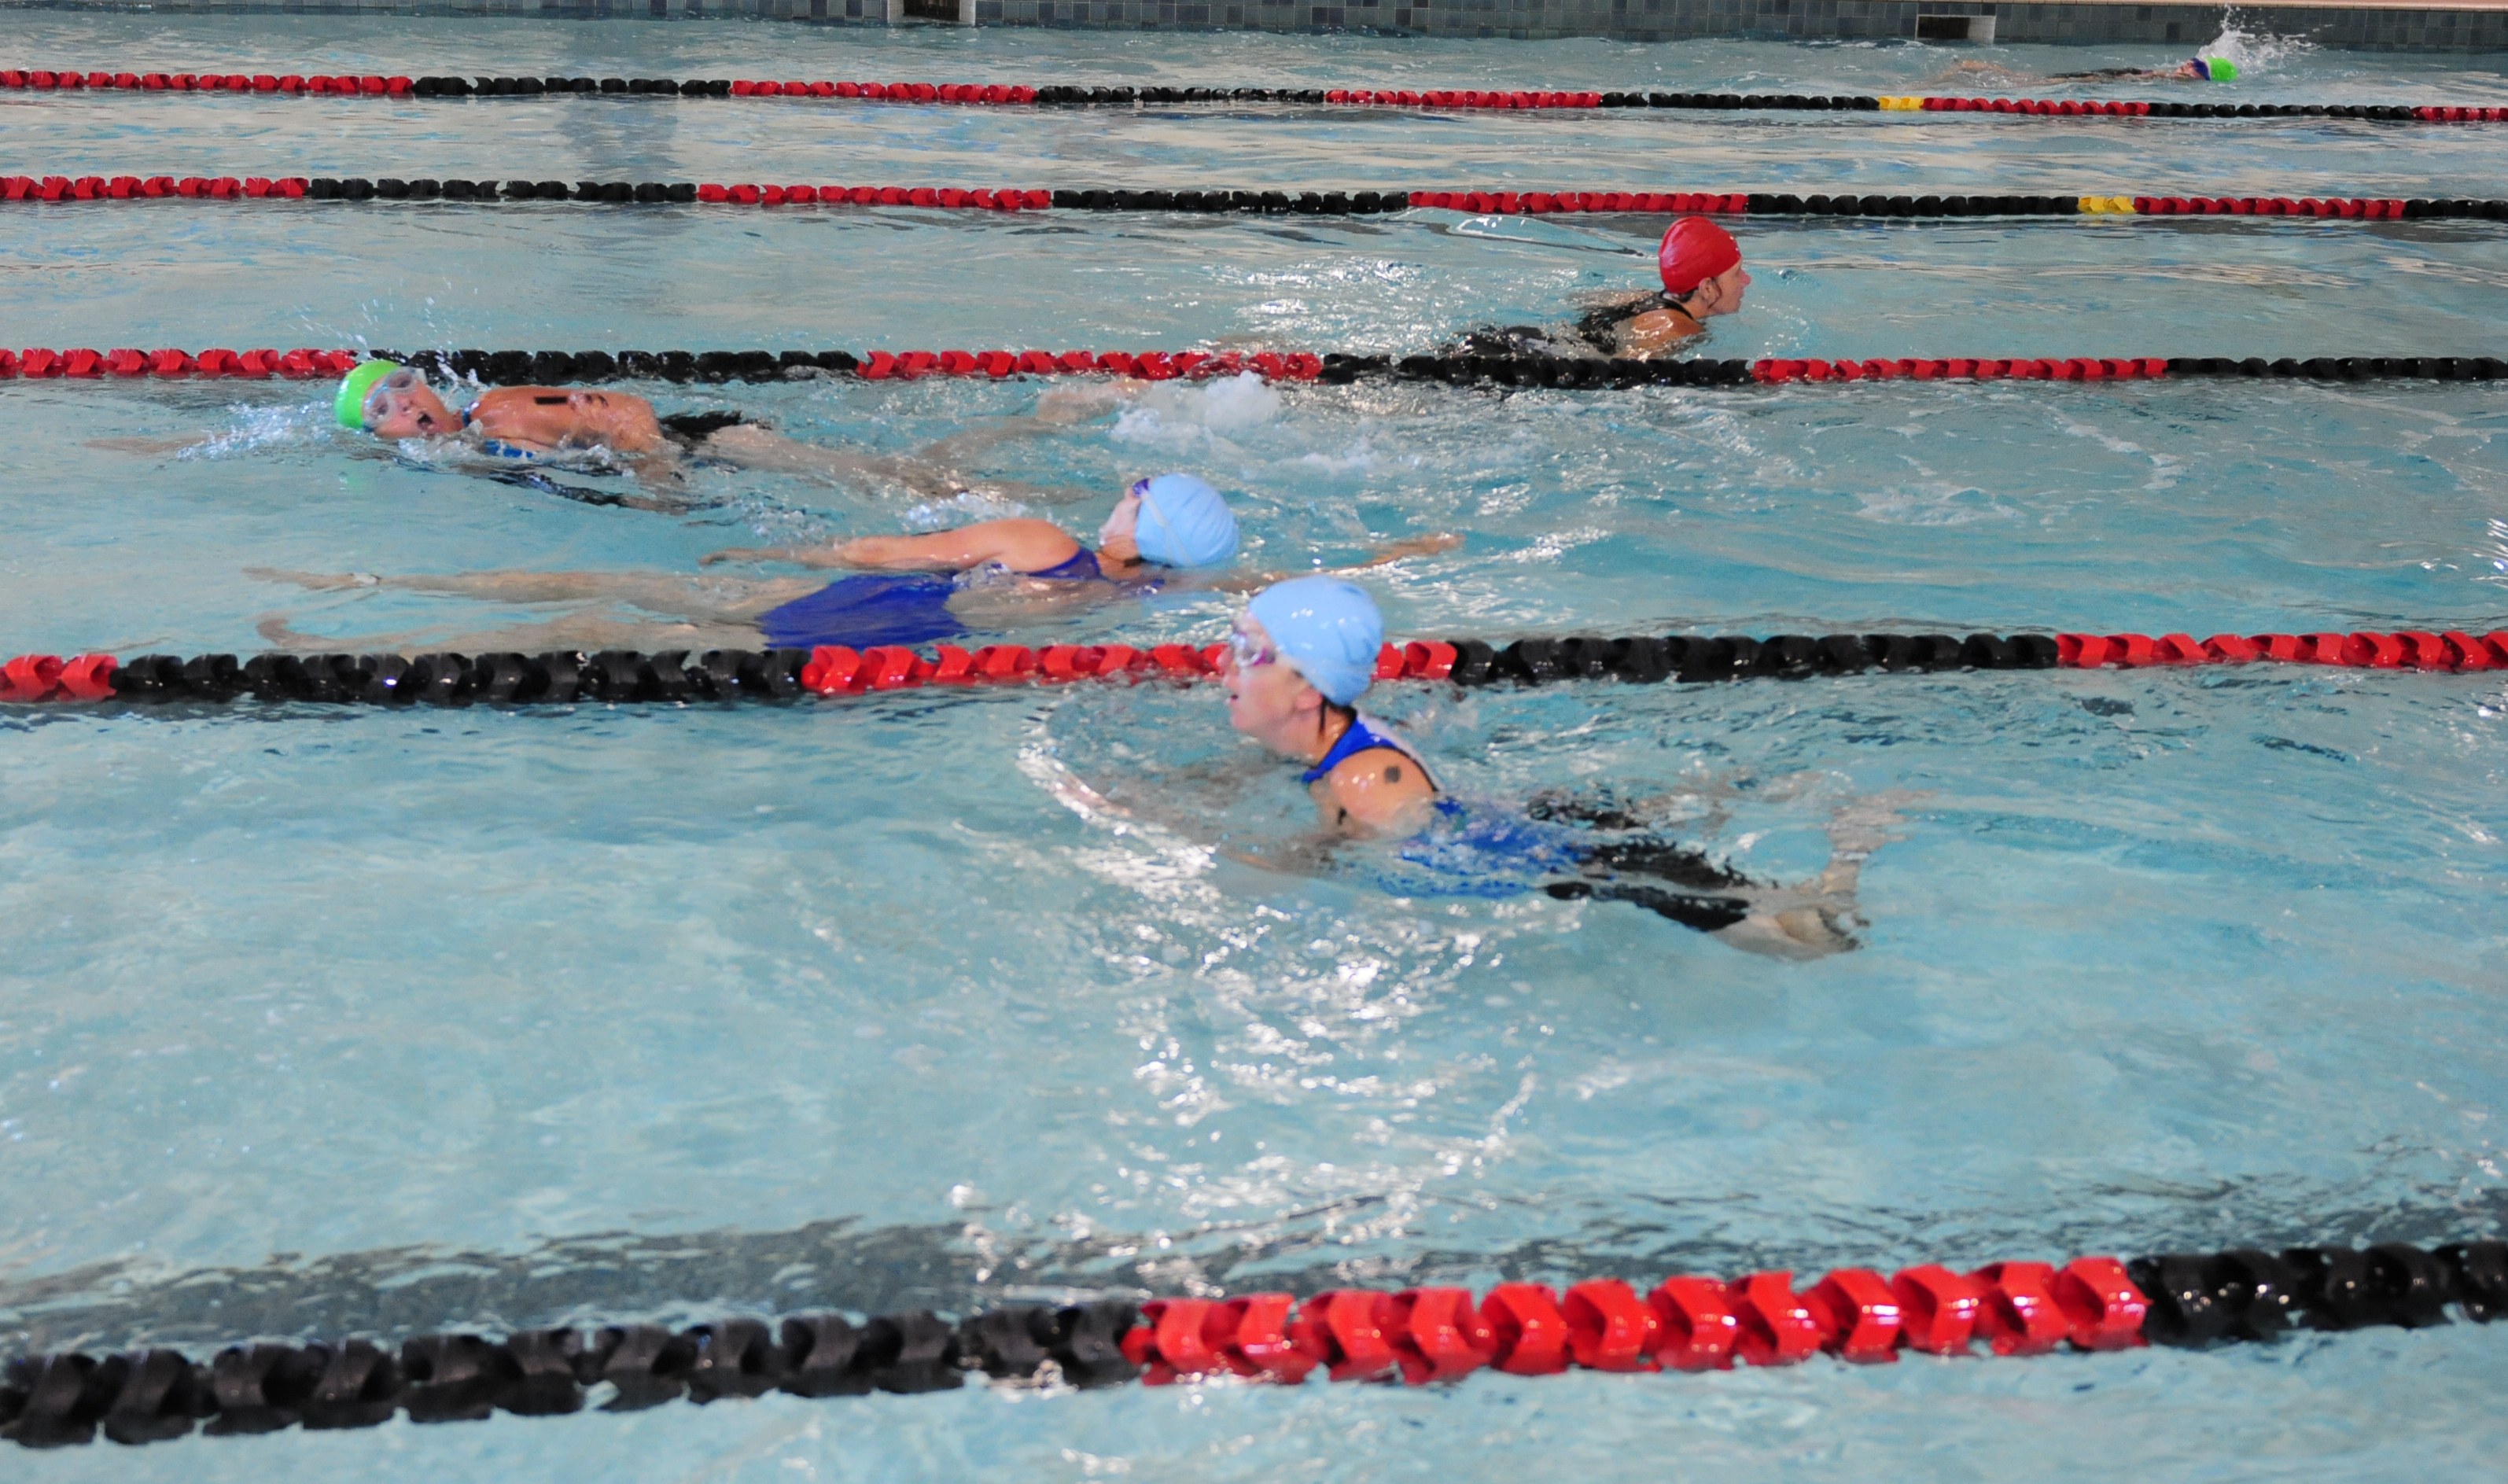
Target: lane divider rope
{"type": "Point", "coordinates": [569, 677]}
{"type": "Point", "coordinates": [264, 85]}
{"type": "Point", "coordinates": [42, 190]}
{"type": "Point", "coordinates": [521, 368]}
{"type": "Point", "coordinates": [1417, 1336]}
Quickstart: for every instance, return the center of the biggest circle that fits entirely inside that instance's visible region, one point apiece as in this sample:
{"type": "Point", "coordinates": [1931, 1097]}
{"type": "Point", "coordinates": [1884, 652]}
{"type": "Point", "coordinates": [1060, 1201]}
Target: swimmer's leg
{"type": "Point", "coordinates": [931, 474]}
{"type": "Point", "coordinates": [588, 634]}
{"type": "Point", "coordinates": [716, 600]}
{"type": "Point", "coordinates": [1819, 919]}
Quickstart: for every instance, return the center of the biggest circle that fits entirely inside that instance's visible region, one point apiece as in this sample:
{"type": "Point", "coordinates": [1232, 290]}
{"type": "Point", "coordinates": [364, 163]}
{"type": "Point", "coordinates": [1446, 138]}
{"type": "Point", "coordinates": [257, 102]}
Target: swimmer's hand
{"type": "Point", "coordinates": [1066, 405]}
{"type": "Point", "coordinates": [1418, 545]}
{"type": "Point", "coordinates": [151, 445]}
{"type": "Point", "coordinates": [317, 582]}
{"type": "Point", "coordinates": [798, 556]}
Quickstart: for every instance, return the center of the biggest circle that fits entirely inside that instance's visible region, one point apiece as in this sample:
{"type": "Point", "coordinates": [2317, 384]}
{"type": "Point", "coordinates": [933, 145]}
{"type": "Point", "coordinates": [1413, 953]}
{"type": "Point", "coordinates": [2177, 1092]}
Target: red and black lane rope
{"type": "Point", "coordinates": [621, 676]}
{"type": "Point", "coordinates": [524, 368]}
{"type": "Point", "coordinates": [40, 190]}
{"type": "Point", "coordinates": [1416, 1336]}
{"type": "Point", "coordinates": [266, 84]}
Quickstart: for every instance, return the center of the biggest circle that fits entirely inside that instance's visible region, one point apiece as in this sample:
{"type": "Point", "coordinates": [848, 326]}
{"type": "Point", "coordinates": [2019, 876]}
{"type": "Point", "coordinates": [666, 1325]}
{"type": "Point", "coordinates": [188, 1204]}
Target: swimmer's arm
{"type": "Point", "coordinates": [1063, 405]}
{"type": "Point", "coordinates": [1383, 556]}
{"type": "Point", "coordinates": [1614, 299]}
{"type": "Point", "coordinates": [152, 445]}
{"type": "Point", "coordinates": [1377, 791]}
{"type": "Point", "coordinates": [1656, 331]}
{"type": "Point", "coordinates": [1022, 545]}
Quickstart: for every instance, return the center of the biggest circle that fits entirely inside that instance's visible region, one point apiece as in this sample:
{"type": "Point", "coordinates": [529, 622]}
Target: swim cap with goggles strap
{"type": "Point", "coordinates": [1325, 629]}
{"type": "Point", "coordinates": [1183, 522]}
{"type": "Point", "coordinates": [1695, 250]}
{"type": "Point", "coordinates": [2213, 69]}
{"type": "Point", "coordinates": [350, 406]}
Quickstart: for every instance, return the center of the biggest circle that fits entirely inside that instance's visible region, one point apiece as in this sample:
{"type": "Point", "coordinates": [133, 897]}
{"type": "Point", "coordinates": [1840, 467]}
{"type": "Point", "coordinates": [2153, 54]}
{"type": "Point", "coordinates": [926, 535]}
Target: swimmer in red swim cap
{"type": "Point", "coordinates": [1702, 278]}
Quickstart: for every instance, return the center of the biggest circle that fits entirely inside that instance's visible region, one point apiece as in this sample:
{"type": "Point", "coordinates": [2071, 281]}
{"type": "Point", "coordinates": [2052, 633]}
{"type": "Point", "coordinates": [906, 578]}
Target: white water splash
{"type": "Point", "coordinates": [1181, 416]}
{"type": "Point", "coordinates": [2252, 53]}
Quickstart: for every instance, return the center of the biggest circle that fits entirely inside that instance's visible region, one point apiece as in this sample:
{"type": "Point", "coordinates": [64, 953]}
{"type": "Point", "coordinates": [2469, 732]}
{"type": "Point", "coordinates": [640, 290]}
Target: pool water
{"type": "Point", "coordinates": [320, 1021]}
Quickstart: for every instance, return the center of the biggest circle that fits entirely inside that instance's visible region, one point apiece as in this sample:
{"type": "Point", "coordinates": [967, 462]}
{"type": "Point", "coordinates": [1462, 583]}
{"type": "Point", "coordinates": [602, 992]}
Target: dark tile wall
{"type": "Point", "coordinates": [2363, 28]}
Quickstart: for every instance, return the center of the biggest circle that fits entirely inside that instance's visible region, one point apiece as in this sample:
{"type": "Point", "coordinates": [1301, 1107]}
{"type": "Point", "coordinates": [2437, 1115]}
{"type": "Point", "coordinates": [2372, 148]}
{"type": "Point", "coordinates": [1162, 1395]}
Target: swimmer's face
{"type": "Point", "coordinates": [403, 406]}
{"type": "Point", "coordinates": [1722, 293]}
{"type": "Point", "coordinates": [1119, 537]}
{"type": "Point", "coordinates": [1267, 699]}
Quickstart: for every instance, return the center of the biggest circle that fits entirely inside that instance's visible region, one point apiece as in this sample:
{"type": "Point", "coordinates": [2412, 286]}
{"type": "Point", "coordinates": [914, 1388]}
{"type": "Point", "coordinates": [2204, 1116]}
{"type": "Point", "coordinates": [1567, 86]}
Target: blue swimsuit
{"type": "Point", "coordinates": [871, 608]}
{"type": "Point", "coordinates": [1494, 852]}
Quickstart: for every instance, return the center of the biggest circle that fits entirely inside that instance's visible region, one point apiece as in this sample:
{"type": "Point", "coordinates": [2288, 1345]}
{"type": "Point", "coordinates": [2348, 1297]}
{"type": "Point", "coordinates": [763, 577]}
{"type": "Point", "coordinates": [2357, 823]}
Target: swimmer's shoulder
{"type": "Point", "coordinates": [1657, 329]}
{"type": "Point", "coordinates": [1377, 791]}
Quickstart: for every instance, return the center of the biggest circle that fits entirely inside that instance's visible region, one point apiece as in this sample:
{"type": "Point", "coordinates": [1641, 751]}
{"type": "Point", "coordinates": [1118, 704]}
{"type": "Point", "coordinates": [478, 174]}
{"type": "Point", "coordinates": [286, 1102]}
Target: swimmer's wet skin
{"type": "Point", "coordinates": [1702, 276]}
{"type": "Point", "coordinates": [1158, 526]}
{"type": "Point", "coordinates": [1165, 530]}
{"type": "Point", "coordinates": [1296, 666]}
{"type": "Point", "coordinates": [527, 424]}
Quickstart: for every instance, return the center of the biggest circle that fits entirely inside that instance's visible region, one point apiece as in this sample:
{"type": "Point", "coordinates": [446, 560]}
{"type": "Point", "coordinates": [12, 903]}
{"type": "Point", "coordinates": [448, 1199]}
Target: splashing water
{"type": "Point", "coordinates": [2252, 52]}
{"type": "Point", "coordinates": [1168, 416]}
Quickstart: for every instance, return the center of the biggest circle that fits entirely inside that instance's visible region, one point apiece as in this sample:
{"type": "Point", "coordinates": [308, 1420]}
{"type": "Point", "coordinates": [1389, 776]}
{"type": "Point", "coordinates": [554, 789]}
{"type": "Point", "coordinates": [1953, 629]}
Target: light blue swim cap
{"type": "Point", "coordinates": [1183, 523]}
{"type": "Point", "coordinates": [1327, 630]}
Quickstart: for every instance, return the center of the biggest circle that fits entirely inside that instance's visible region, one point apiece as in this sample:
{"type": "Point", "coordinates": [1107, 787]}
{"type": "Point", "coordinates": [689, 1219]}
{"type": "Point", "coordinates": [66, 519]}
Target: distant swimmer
{"type": "Point", "coordinates": [2196, 69]}
{"type": "Point", "coordinates": [1702, 276]}
{"type": "Point", "coordinates": [513, 433]}
{"type": "Point", "coordinates": [1305, 652]}
{"type": "Point", "coordinates": [1165, 532]}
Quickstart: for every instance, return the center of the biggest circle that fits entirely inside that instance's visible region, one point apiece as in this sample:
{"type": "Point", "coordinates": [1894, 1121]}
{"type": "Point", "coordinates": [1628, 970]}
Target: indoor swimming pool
{"type": "Point", "coordinates": [318, 1020]}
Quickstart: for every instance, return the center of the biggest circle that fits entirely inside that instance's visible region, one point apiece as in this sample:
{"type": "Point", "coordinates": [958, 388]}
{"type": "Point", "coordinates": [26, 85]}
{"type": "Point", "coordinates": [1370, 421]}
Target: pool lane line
{"type": "Point", "coordinates": [67, 189]}
{"type": "Point", "coordinates": [1051, 96]}
{"type": "Point", "coordinates": [562, 678]}
{"type": "Point", "coordinates": [1421, 1336]}
{"type": "Point", "coordinates": [523, 368]}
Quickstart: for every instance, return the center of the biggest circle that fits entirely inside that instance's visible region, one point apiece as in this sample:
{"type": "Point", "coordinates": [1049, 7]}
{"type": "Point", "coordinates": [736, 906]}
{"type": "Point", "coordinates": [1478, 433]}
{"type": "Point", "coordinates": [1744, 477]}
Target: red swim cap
{"type": "Point", "coordinates": [1695, 250]}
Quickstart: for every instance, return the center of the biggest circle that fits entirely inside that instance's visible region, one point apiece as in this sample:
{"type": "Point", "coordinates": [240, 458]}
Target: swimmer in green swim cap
{"type": "Point", "coordinates": [2196, 69]}
{"type": "Point", "coordinates": [507, 431]}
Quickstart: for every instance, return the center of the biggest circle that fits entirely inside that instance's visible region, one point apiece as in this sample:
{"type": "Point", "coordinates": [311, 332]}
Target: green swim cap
{"type": "Point", "coordinates": [351, 405]}
{"type": "Point", "coordinates": [2217, 70]}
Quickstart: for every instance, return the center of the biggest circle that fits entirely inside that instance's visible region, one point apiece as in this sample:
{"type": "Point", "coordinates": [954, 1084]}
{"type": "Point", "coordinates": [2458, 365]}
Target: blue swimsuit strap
{"type": "Point", "coordinates": [1359, 738]}
{"type": "Point", "coordinates": [1080, 567]}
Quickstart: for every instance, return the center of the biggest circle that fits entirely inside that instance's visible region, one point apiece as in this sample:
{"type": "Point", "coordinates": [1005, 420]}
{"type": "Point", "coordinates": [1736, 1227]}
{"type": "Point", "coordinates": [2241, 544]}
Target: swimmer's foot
{"type": "Point", "coordinates": [1062, 406]}
{"type": "Point", "coordinates": [146, 445]}
{"type": "Point", "coordinates": [275, 632]}
{"type": "Point", "coordinates": [1862, 826]}
{"type": "Point", "coordinates": [1796, 935]}
{"type": "Point", "coordinates": [317, 582]}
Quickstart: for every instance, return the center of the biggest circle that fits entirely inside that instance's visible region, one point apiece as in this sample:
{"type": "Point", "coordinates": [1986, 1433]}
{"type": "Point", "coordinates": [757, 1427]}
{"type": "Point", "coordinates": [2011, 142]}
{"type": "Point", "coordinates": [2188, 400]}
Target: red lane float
{"type": "Point", "coordinates": [1688, 1323]}
{"type": "Point", "coordinates": [2451, 650]}
{"type": "Point", "coordinates": [2071, 108]}
{"type": "Point", "coordinates": [36, 363]}
{"type": "Point", "coordinates": [1519, 100]}
{"type": "Point", "coordinates": [2016, 1308]}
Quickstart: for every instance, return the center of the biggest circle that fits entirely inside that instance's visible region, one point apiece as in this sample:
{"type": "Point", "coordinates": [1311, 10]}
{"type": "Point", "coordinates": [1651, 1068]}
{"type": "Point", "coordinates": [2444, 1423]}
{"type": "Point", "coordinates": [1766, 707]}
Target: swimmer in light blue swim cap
{"type": "Point", "coordinates": [1305, 652]}
{"type": "Point", "coordinates": [1167, 532]}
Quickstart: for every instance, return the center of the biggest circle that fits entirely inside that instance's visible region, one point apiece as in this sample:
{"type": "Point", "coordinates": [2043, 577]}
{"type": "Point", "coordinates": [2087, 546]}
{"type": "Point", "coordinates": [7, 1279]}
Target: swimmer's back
{"type": "Point", "coordinates": [557, 417]}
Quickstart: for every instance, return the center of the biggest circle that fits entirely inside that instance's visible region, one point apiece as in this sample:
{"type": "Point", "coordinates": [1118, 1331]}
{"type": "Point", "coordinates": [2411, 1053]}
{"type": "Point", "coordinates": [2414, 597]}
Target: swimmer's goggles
{"type": "Point", "coordinates": [358, 390]}
{"type": "Point", "coordinates": [1248, 654]}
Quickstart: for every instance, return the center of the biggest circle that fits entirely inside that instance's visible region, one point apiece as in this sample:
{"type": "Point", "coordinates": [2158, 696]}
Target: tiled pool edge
{"type": "Point", "coordinates": [2364, 27]}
